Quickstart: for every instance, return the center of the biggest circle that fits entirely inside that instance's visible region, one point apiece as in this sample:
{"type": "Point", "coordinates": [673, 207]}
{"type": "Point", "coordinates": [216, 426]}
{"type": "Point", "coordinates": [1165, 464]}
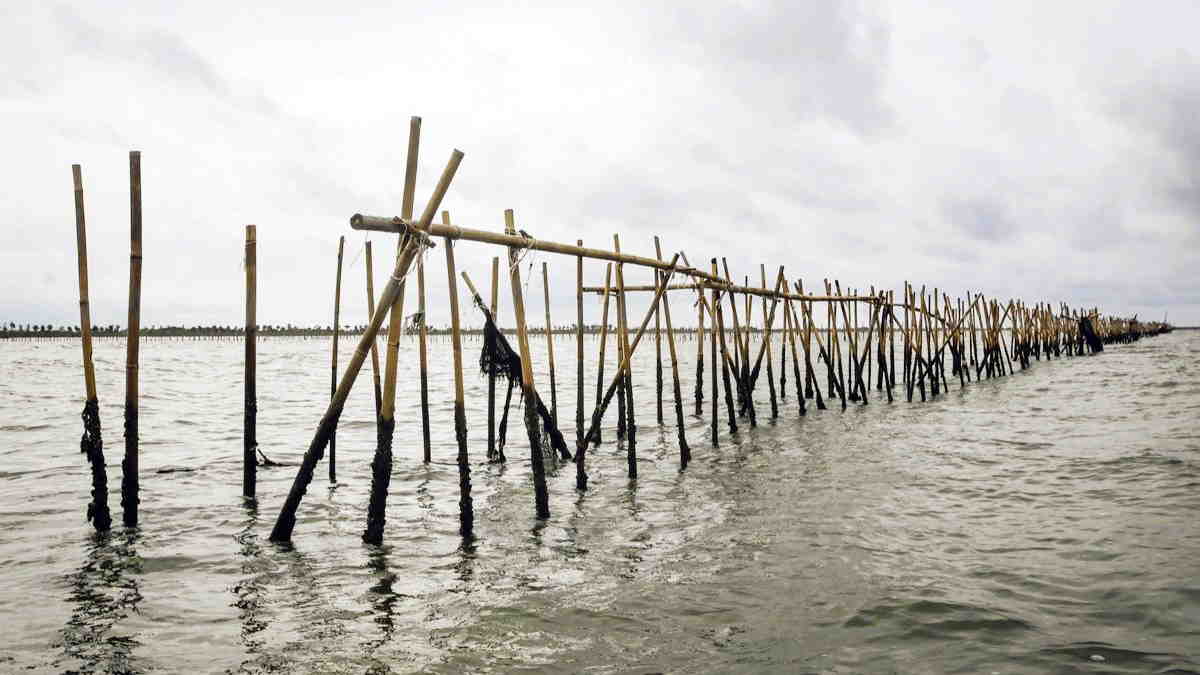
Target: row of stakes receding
{"type": "Point", "coordinates": [855, 345]}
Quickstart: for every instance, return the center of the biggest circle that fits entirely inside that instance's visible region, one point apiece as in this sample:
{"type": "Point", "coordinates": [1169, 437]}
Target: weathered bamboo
{"type": "Point", "coordinates": [685, 452]}
{"type": "Point", "coordinates": [333, 358]}
{"type": "Point", "coordinates": [579, 348]}
{"type": "Point", "coordinates": [603, 340]}
{"type": "Point", "coordinates": [423, 358]}
{"type": "Point", "coordinates": [129, 466]}
{"type": "Point", "coordinates": [766, 343]}
{"type": "Point", "coordinates": [712, 335]}
{"type": "Point", "coordinates": [374, 346]}
{"type": "Point", "coordinates": [391, 304]}
{"type": "Point", "coordinates": [381, 466]}
{"type": "Point", "coordinates": [250, 398]}
{"type": "Point", "coordinates": [466, 512]}
{"type": "Point", "coordinates": [626, 358]}
{"type": "Point", "coordinates": [698, 394]}
{"type": "Point", "coordinates": [658, 366]}
{"type": "Point", "coordinates": [492, 452]}
{"type": "Point", "coordinates": [719, 327]}
{"type": "Point", "coordinates": [92, 442]}
{"type": "Point", "coordinates": [622, 372]}
{"type": "Point", "coordinates": [550, 346]}
{"type": "Point", "coordinates": [541, 496]}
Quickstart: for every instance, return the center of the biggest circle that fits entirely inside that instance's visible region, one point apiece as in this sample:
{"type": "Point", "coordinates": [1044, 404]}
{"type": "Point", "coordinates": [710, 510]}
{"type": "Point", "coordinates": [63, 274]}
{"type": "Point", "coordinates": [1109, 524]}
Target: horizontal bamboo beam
{"type": "Point", "coordinates": [724, 286]}
{"type": "Point", "coordinates": [384, 224]}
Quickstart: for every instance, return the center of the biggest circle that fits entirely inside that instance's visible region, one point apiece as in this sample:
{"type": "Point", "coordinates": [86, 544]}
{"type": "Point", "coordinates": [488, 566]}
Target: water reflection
{"type": "Point", "coordinates": [383, 596]}
{"type": "Point", "coordinates": [250, 591]}
{"type": "Point", "coordinates": [103, 592]}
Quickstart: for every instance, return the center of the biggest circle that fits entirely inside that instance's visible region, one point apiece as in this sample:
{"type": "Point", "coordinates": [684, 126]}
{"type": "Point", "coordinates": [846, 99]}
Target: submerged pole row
{"type": "Point", "coordinates": [839, 345]}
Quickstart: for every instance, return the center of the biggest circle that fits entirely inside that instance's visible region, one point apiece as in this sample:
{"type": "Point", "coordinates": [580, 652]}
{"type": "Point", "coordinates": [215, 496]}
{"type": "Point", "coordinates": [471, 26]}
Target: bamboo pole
{"type": "Point", "coordinates": [381, 467]}
{"type": "Point", "coordinates": [550, 346]}
{"type": "Point", "coordinates": [541, 497]}
{"type": "Point", "coordinates": [333, 378]}
{"type": "Point", "coordinates": [579, 348]}
{"type": "Point", "coordinates": [712, 335]}
{"type": "Point", "coordinates": [250, 398]}
{"type": "Point", "coordinates": [92, 442]}
{"type": "Point", "coordinates": [391, 304]}
{"type": "Point", "coordinates": [129, 466]}
{"type": "Point", "coordinates": [603, 340]}
{"type": "Point", "coordinates": [466, 512]}
{"type": "Point", "coordinates": [622, 371]}
{"type": "Point", "coordinates": [422, 329]}
{"type": "Point", "coordinates": [658, 365]}
{"type": "Point", "coordinates": [685, 452]}
{"type": "Point", "coordinates": [626, 357]}
{"type": "Point", "coordinates": [374, 346]}
{"type": "Point", "coordinates": [698, 394]}
{"type": "Point", "coordinates": [766, 343]}
{"type": "Point", "coordinates": [726, 365]}
{"type": "Point", "coordinates": [492, 452]}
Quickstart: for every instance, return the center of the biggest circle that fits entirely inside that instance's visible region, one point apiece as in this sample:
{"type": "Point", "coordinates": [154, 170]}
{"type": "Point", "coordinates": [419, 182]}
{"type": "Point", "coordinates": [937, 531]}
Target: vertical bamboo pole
{"type": "Point", "coordinates": [699, 392]}
{"type": "Point", "coordinates": [466, 512]}
{"type": "Point", "coordinates": [492, 453]}
{"type": "Point", "coordinates": [91, 443]}
{"type": "Point", "coordinates": [381, 465]}
{"type": "Point", "coordinates": [767, 345]}
{"type": "Point", "coordinates": [719, 326]}
{"type": "Point", "coordinates": [129, 466]}
{"type": "Point", "coordinates": [658, 365]}
{"type": "Point", "coordinates": [249, 401]}
{"type": "Point", "coordinates": [422, 330]}
{"type": "Point", "coordinates": [685, 452]}
{"type": "Point", "coordinates": [374, 345]}
{"type": "Point", "coordinates": [550, 346]}
{"type": "Point", "coordinates": [603, 340]}
{"type": "Point", "coordinates": [579, 347]}
{"type": "Point", "coordinates": [333, 377]}
{"type": "Point", "coordinates": [627, 357]}
{"type": "Point", "coordinates": [541, 497]}
{"type": "Point", "coordinates": [712, 334]}
{"type": "Point", "coordinates": [396, 324]}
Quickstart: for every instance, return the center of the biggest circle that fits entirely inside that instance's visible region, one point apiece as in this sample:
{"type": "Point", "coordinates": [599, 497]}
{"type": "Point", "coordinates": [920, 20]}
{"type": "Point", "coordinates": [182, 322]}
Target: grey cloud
{"type": "Point", "coordinates": [984, 218]}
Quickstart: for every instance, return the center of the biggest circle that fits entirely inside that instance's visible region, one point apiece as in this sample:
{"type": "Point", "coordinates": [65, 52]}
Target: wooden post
{"type": "Point", "coordinates": [250, 399]}
{"type": "Point", "coordinates": [541, 497]}
{"type": "Point", "coordinates": [658, 365]}
{"type": "Point", "coordinates": [492, 453]}
{"type": "Point", "coordinates": [466, 512]}
{"type": "Point", "coordinates": [699, 391]}
{"type": "Point", "coordinates": [767, 344]}
{"type": "Point", "coordinates": [626, 356]}
{"type": "Point", "coordinates": [685, 452]}
{"type": "Point", "coordinates": [91, 443]}
{"type": "Point", "coordinates": [129, 466]}
{"type": "Point", "coordinates": [426, 453]}
{"type": "Point", "coordinates": [550, 347]}
{"type": "Point", "coordinates": [603, 340]}
{"type": "Point", "coordinates": [333, 377]}
{"type": "Point", "coordinates": [381, 466]}
{"type": "Point", "coordinates": [579, 347]}
{"type": "Point", "coordinates": [391, 303]}
{"type": "Point", "coordinates": [374, 346]}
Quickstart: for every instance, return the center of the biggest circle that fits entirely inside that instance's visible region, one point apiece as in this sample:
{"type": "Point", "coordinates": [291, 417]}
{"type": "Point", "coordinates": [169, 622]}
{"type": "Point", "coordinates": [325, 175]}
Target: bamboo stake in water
{"type": "Point", "coordinates": [423, 357]}
{"type": "Point", "coordinates": [603, 340]}
{"type": "Point", "coordinates": [91, 443]}
{"type": "Point", "coordinates": [685, 452]}
{"type": "Point", "coordinates": [658, 365]}
{"type": "Point", "coordinates": [623, 336]}
{"type": "Point", "coordinates": [391, 303]}
{"type": "Point", "coordinates": [767, 344]}
{"type": "Point", "coordinates": [374, 346]}
{"type": "Point", "coordinates": [579, 347]}
{"type": "Point", "coordinates": [699, 391]}
{"type": "Point", "coordinates": [491, 451]}
{"type": "Point", "coordinates": [333, 378]}
{"type": "Point", "coordinates": [466, 512]}
{"type": "Point", "coordinates": [129, 466]}
{"type": "Point", "coordinates": [250, 404]}
{"type": "Point", "coordinates": [541, 496]}
{"type": "Point", "coordinates": [550, 347]}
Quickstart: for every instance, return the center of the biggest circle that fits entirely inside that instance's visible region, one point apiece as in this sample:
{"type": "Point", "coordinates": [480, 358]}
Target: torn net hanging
{"type": "Point", "coordinates": [498, 358]}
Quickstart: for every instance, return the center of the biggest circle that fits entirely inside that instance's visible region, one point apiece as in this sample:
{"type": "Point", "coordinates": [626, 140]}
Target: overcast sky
{"type": "Point", "coordinates": [1038, 150]}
